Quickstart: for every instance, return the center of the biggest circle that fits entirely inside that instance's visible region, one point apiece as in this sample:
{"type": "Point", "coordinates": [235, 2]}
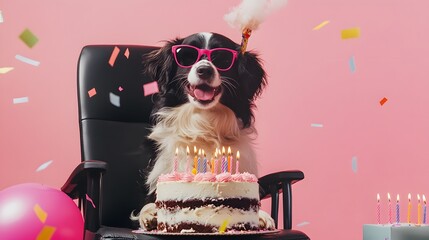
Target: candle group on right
{"type": "Point", "coordinates": [421, 209]}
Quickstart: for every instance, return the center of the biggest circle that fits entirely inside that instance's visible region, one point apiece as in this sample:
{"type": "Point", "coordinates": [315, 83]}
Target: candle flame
{"type": "Point", "coordinates": [216, 153]}
{"type": "Point", "coordinates": [424, 199]}
{"type": "Point", "coordinates": [187, 150]}
{"type": "Point", "coordinates": [388, 196]}
{"type": "Point", "coordinates": [203, 153]}
{"type": "Point", "coordinates": [238, 155]}
{"type": "Point", "coordinates": [195, 149]}
{"type": "Point", "coordinates": [409, 197]}
{"type": "Point", "coordinates": [378, 197]}
{"type": "Point", "coordinates": [418, 198]}
{"type": "Point", "coordinates": [223, 150]}
{"type": "Point", "coordinates": [199, 151]}
{"type": "Point", "coordinates": [229, 150]}
{"type": "Point", "coordinates": [177, 150]}
{"type": "Point", "coordinates": [397, 197]}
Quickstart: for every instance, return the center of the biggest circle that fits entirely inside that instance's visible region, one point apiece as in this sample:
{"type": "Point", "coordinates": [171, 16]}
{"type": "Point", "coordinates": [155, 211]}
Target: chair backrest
{"type": "Point", "coordinates": [114, 122]}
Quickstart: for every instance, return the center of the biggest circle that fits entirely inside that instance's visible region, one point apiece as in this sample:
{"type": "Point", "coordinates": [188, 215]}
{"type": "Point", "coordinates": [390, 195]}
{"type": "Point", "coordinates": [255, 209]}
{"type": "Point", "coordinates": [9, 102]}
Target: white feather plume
{"type": "Point", "coordinates": [251, 13]}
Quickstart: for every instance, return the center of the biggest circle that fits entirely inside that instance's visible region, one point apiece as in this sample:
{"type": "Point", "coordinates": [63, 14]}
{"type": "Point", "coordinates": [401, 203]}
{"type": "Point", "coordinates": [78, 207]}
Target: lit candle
{"type": "Point", "coordinates": [409, 209]}
{"type": "Point", "coordinates": [390, 208]}
{"type": "Point", "coordinates": [199, 162]}
{"type": "Point", "coordinates": [419, 210]}
{"type": "Point", "coordinates": [195, 157]}
{"type": "Point", "coordinates": [424, 209]}
{"type": "Point", "coordinates": [398, 219]}
{"type": "Point", "coordinates": [229, 159]}
{"type": "Point", "coordinates": [176, 161]}
{"type": "Point", "coordinates": [378, 209]}
{"type": "Point", "coordinates": [216, 162]}
{"type": "Point", "coordinates": [204, 162]}
{"type": "Point", "coordinates": [224, 163]}
{"type": "Point", "coordinates": [237, 163]}
{"type": "Point", "coordinates": [188, 159]}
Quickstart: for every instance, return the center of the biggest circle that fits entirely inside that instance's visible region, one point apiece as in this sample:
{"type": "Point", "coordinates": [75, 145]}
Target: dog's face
{"type": "Point", "coordinates": [205, 69]}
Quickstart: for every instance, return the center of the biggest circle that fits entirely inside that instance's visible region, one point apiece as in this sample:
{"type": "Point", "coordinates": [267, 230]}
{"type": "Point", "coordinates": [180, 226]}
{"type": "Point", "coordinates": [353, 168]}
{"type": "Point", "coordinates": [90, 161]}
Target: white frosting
{"type": "Point", "coordinates": [209, 215]}
{"type": "Point", "coordinates": [180, 191]}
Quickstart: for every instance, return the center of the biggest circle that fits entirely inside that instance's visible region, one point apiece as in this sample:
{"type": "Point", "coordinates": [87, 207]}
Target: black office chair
{"type": "Point", "coordinates": [114, 122]}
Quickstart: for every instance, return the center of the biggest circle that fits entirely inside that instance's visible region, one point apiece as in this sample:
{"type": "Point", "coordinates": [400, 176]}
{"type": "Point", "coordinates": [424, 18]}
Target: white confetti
{"type": "Point", "coordinates": [318, 125]}
{"type": "Point", "coordinates": [1, 17]}
{"type": "Point", "coordinates": [115, 100]}
{"type": "Point", "coordinates": [5, 70]}
{"type": "Point", "coordinates": [354, 164]}
{"type": "Point", "coordinates": [44, 166]}
{"type": "Point", "coordinates": [302, 224]}
{"type": "Point", "coordinates": [27, 60]}
{"type": "Point", "coordinates": [20, 100]}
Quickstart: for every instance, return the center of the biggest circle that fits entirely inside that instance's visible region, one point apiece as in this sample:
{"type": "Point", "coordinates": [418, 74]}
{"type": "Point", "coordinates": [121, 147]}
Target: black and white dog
{"type": "Point", "coordinates": [207, 92]}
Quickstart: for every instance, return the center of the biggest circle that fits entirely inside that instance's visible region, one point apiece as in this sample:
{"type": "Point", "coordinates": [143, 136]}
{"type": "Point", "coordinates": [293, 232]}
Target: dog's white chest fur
{"type": "Point", "coordinates": [207, 129]}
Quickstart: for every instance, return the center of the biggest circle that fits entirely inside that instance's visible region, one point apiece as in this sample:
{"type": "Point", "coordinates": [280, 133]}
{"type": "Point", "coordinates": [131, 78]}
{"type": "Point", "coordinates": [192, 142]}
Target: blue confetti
{"type": "Point", "coordinates": [352, 64]}
{"type": "Point", "coordinates": [354, 164]}
{"type": "Point", "coordinates": [302, 224]}
{"type": "Point", "coordinates": [27, 60]}
{"type": "Point", "coordinates": [115, 100]}
{"type": "Point", "coordinates": [20, 100]}
{"type": "Point", "coordinates": [44, 166]}
{"type": "Point", "coordinates": [318, 125]}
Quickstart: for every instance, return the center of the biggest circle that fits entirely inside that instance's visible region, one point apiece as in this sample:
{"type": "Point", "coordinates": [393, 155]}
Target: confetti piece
{"type": "Point", "coordinates": [44, 166]}
{"type": "Point", "coordinates": [223, 226]}
{"type": "Point", "coordinates": [92, 92]}
{"type": "Point", "coordinates": [302, 224]}
{"type": "Point", "coordinates": [150, 88]}
{"type": "Point", "coordinates": [352, 64]}
{"type": "Point", "coordinates": [42, 215]}
{"type": "Point", "coordinates": [318, 125]}
{"type": "Point", "coordinates": [20, 100]}
{"type": "Point", "coordinates": [27, 60]}
{"type": "Point", "coordinates": [320, 25]}
{"type": "Point", "coordinates": [114, 56]}
{"type": "Point", "coordinates": [28, 38]}
{"type": "Point", "coordinates": [90, 200]}
{"type": "Point", "coordinates": [120, 89]}
{"type": "Point", "coordinates": [383, 101]}
{"type": "Point", "coordinates": [127, 53]}
{"type": "Point", "coordinates": [350, 33]}
{"type": "Point", "coordinates": [5, 70]}
{"type": "Point", "coordinates": [115, 100]}
{"type": "Point", "coordinates": [46, 233]}
{"type": "Point", "coordinates": [354, 164]}
{"type": "Point", "coordinates": [1, 17]}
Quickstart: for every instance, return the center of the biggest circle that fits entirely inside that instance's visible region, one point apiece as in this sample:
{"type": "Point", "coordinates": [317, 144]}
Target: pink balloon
{"type": "Point", "coordinates": [26, 209]}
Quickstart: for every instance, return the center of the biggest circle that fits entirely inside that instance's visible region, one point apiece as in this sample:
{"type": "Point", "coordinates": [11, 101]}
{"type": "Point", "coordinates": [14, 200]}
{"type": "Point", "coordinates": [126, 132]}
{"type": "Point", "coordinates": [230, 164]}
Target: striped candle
{"type": "Point", "coordinates": [187, 159]}
{"type": "Point", "coordinates": [204, 162]}
{"type": "Point", "coordinates": [175, 161]}
{"type": "Point", "coordinates": [224, 163]}
{"type": "Point", "coordinates": [424, 209]}
{"type": "Point", "coordinates": [398, 218]}
{"type": "Point", "coordinates": [229, 158]}
{"type": "Point", "coordinates": [419, 210]}
{"type": "Point", "coordinates": [199, 163]}
{"type": "Point", "coordinates": [378, 209]}
{"type": "Point", "coordinates": [237, 163]}
{"type": "Point", "coordinates": [390, 207]}
{"type": "Point", "coordinates": [409, 209]}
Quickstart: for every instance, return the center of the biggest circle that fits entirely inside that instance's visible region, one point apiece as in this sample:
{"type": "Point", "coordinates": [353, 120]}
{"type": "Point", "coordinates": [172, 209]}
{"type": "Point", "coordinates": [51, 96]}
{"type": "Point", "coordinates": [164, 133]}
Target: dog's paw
{"type": "Point", "coordinates": [147, 217]}
{"type": "Point", "coordinates": [266, 222]}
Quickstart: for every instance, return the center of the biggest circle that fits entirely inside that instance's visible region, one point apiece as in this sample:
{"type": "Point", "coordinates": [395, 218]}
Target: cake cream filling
{"type": "Point", "coordinates": [209, 215]}
{"type": "Point", "coordinates": [182, 191]}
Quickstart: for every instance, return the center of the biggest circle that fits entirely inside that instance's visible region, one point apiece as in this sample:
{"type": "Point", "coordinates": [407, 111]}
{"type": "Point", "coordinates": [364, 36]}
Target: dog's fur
{"type": "Point", "coordinates": [181, 120]}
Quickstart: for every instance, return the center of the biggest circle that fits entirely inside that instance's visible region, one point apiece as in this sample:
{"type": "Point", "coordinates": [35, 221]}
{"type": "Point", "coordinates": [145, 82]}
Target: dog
{"type": "Point", "coordinates": [207, 89]}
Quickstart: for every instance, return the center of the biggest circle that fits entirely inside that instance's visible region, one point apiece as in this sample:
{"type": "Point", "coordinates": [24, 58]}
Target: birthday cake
{"type": "Point", "coordinates": [207, 202]}
{"type": "Point", "coordinates": [400, 231]}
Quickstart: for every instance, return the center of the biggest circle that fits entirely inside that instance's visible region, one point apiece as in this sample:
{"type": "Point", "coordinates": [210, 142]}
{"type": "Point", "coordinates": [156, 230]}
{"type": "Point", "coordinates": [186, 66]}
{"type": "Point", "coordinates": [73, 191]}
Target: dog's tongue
{"type": "Point", "coordinates": [204, 93]}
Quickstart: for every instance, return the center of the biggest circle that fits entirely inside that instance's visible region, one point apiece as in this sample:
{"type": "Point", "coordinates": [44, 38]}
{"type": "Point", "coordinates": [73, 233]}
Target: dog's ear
{"type": "Point", "coordinates": [252, 74]}
{"type": "Point", "coordinates": [159, 64]}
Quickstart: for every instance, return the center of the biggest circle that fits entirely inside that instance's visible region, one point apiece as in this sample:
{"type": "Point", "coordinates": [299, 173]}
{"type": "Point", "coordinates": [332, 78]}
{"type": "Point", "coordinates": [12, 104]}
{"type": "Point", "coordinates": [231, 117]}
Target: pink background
{"type": "Point", "coordinates": [310, 82]}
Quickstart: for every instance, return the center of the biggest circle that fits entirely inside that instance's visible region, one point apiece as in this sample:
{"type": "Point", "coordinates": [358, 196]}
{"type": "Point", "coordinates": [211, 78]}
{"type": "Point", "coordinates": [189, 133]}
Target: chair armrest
{"type": "Point", "coordinates": [84, 184]}
{"type": "Point", "coordinates": [74, 187]}
{"type": "Point", "coordinates": [272, 185]}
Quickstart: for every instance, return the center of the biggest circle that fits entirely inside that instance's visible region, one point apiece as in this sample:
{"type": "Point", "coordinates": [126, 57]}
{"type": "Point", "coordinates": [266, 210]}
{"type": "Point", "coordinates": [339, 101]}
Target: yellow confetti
{"type": "Point", "coordinates": [46, 233]}
{"type": "Point", "coordinates": [5, 70]}
{"type": "Point", "coordinates": [42, 215]}
{"type": "Point", "coordinates": [28, 38]}
{"type": "Point", "coordinates": [350, 33]}
{"type": "Point", "coordinates": [321, 25]}
{"type": "Point", "coordinates": [222, 227]}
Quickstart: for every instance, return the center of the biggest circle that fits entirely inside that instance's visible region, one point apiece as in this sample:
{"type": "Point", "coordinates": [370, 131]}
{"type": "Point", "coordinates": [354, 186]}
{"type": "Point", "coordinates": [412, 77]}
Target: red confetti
{"type": "Point", "coordinates": [383, 101]}
{"type": "Point", "coordinates": [127, 53]}
{"type": "Point", "coordinates": [150, 88]}
{"type": "Point", "coordinates": [120, 89]}
{"type": "Point", "coordinates": [92, 92]}
{"type": "Point", "coordinates": [114, 56]}
{"type": "Point", "coordinates": [90, 200]}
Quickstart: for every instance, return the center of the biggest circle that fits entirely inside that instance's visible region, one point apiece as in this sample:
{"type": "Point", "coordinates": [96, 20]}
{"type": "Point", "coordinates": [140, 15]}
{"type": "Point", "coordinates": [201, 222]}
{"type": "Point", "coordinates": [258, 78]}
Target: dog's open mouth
{"type": "Point", "coordinates": [203, 92]}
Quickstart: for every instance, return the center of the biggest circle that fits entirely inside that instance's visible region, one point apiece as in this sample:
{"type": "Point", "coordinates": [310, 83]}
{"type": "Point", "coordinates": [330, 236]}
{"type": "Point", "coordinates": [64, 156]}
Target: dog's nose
{"type": "Point", "coordinates": [205, 72]}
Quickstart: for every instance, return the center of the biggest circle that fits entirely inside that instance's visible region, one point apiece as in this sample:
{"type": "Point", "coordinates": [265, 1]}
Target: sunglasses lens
{"type": "Point", "coordinates": [222, 59]}
{"type": "Point", "coordinates": [186, 56]}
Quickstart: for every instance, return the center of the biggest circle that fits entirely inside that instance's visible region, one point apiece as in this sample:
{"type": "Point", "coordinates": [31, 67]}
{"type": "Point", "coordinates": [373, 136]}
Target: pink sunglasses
{"type": "Point", "coordinates": [187, 55]}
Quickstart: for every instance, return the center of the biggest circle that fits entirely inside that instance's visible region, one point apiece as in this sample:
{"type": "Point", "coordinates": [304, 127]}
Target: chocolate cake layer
{"type": "Point", "coordinates": [176, 228]}
{"type": "Point", "coordinates": [238, 203]}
